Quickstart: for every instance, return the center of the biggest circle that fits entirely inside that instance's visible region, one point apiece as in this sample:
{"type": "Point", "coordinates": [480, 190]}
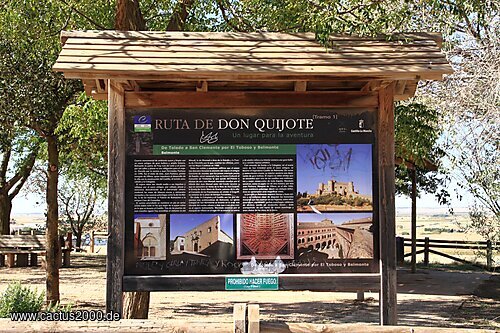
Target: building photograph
{"type": "Point", "coordinates": [201, 236]}
{"type": "Point", "coordinates": [334, 177]}
{"type": "Point", "coordinates": [265, 236]}
{"type": "Point", "coordinates": [338, 235]}
{"type": "Point", "coordinates": [150, 236]}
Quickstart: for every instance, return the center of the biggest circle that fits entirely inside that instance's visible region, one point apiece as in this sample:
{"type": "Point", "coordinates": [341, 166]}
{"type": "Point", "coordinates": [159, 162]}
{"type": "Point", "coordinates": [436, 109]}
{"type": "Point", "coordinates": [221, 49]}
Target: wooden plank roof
{"type": "Point", "coordinates": [247, 56]}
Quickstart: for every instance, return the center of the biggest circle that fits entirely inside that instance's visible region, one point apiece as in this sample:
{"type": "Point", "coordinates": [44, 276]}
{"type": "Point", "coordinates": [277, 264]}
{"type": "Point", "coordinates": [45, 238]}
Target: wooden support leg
{"type": "Point", "coordinates": [239, 316]}
{"type": "Point", "coordinates": [66, 258]}
{"type": "Point", "coordinates": [22, 260]}
{"type": "Point", "coordinates": [2, 260]}
{"type": "Point", "coordinates": [253, 318]}
{"type": "Point", "coordinates": [360, 296]}
{"type": "Point", "coordinates": [11, 259]}
{"type": "Point", "coordinates": [426, 252]}
{"type": "Point", "coordinates": [386, 209]}
{"type": "Point", "coordinates": [34, 259]}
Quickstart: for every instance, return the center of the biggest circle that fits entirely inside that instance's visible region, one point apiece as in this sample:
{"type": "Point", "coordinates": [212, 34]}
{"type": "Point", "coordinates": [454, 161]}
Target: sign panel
{"type": "Point", "coordinates": [246, 282]}
{"type": "Point", "coordinates": [250, 191]}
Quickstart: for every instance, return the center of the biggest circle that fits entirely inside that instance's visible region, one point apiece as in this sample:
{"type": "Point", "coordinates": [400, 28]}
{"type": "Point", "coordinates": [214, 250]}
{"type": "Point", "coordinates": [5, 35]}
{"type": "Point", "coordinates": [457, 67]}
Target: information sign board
{"type": "Point", "coordinates": [250, 191]}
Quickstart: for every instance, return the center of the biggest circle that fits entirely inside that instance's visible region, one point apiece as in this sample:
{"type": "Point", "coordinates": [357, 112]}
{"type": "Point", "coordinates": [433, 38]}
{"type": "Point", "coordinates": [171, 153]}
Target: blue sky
{"type": "Point", "coordinates": [337, 218]}
{"type": "Point", "coordinates": [181, 223]}
{"type": "Point", "coordinates": [331, 162]}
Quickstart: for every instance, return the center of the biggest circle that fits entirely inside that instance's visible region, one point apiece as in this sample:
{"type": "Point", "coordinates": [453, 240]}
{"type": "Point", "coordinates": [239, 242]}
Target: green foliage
{"type": "Point", "coordinates": [83, 130]}
{"type": "Point", "coordinates": [416, 136]}
{"type": "Point", "coordinates": [20, 299]}
{"type": "Point", "coordinates": [32, 94]}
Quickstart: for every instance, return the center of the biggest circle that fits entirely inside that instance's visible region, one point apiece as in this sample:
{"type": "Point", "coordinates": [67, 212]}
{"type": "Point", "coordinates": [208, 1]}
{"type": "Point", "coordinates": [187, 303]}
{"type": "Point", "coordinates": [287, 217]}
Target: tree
{"type": "Point", "coordinates": [469, 100]}
{"type": "Point", "coordinates": [18, 149]}
{"type": "Point", "coordinates": [78, 200]}
{"type": "Point", "coordinates": [417, 155]}
{"type": "Point", "coordinates": [83, 132]}
{"type": "Point", "coordinates": [39, 97]}
{"type": "Point", "coordinates": [469, 103]}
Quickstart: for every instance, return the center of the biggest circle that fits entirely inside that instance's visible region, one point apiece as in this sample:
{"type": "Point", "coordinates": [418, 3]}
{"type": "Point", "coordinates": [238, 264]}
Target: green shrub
{"type": "Point", "coordinates": [20, 299]}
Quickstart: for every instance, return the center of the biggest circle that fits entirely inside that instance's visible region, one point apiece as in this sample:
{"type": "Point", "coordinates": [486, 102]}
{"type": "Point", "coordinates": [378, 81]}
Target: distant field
{"type": "Point", "coordinates": [441, 226]}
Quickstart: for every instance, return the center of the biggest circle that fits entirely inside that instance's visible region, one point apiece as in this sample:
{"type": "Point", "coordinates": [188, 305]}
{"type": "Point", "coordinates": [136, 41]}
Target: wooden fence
{"type": "Point", "coordinates": [428, 246]}
{"type": "Point", "coordinates": [93, 236]}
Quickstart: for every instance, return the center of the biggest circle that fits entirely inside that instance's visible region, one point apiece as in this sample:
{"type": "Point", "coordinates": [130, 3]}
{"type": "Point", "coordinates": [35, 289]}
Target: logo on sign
{"type": "Point", "coordinates": [142, 123]}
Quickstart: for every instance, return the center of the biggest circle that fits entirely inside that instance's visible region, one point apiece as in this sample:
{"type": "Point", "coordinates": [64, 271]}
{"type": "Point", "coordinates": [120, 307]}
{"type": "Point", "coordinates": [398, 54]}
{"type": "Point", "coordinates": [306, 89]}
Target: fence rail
{"type": "Point", "coordinates": [428, 245]}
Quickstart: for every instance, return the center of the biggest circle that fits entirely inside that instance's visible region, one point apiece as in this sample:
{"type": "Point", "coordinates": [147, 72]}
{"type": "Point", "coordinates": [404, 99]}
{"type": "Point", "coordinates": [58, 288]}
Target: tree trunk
{"type": "Point", "coordinates": [5, 209]}
{"type": "Point", "coordinates": [136, 305]}
{"type": "Point", "coordinates": [78, 243]}
{"type": "Point", "coordinates": [129, 16]}
{"type": "Point", "coordinates": [53, 248]}
{"type": "Point", "coordinates": [179, 16]}
{"type": "Point", "coordinates": [413, 175]}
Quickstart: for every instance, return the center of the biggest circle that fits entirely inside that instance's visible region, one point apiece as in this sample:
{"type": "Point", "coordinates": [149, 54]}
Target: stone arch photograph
{"type": "Point", "coordinates": [150, 237]}
{"type": "Point", "coordinates": [338, 235]}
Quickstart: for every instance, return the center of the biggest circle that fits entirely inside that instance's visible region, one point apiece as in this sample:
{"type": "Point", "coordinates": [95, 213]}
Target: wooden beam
{"type": "Point", "coordinates": [318, 282]}
{"type": "Point", "coordinates": [300, 85]}
{"type": "Point", "coordinates": [189, 76]}
{"type": "Point", "coordinates": [400, 87]}
{"type": "Point", "coordinates": [100, 96]}
{"type": "Point", "coordinates": [208, 326]}
{"type": "Point", "coordinates": [134, 85]}
{"type": "Point", "coordinates": [386, 206]}
{"type": "Point", "coordinates": [371, 85]}
{"type": "Point", "coordinates": [202, 86]}
{"type": "Point", "coordinates": [282, 99]}
{"type": "Point", "coordinates": [101, 85]}
{"type": "Point", "coordinates": [116, 198]}
{"type": "Point", "coordinates": [89, 86]}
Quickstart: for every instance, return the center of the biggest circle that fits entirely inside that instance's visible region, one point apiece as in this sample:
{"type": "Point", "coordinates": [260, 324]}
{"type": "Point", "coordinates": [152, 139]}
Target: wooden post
{"type": "Point", "coordinates": [426, 252]}
{"type": "Point", "coordinates": [34, 259]}
{"type": "Point", "coordinates": [400, 251]}
{"type": "Point", "coordinates": [239, 317]}
{"type": "Point", "coordinates": [360, 296]}
{"type": "Point", "coordinates": [69, 240]}
{"type": "Point", "coordinates": [10, 260]}
{"type": "Point", "coordinates": [253, 318]}
{"type": "Point", "coordinates": [413, 174]}
{"type": "Point", "coordinates": [116, 197]}
{"type": "Point", "coordinates": [2, 260]}
{"type": "Point", "coordinates": [489, 255]}
{"type": "Point", "coordinates": [66, 258]}
{"type": "Point", "coordinates": [386, 206]}
{"type": "Point", "coordinates": [22, 260]}
{"type": "Point", "coordinates": [92, 240]}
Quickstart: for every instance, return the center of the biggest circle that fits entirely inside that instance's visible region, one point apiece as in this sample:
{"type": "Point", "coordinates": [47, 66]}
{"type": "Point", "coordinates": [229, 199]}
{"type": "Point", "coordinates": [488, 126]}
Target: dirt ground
{"type": "Point", "coordinates": [469, 299]}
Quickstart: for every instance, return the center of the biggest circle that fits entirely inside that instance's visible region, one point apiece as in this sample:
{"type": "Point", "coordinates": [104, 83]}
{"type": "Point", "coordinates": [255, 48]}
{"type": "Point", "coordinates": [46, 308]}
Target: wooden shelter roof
{"type": "Point", "coordinates": [153, 59]}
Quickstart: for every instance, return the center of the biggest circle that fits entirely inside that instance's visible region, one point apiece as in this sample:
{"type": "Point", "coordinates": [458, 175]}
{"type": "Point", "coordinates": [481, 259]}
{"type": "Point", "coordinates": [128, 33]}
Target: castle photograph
{"type": "Point", "coordinates": [334, 177]}
{"type": "Point", "coordinates": [337, 235]}
{"type": "Point", "coordinates": [265, 236]}
{"type": "Point", "coordinates": [201, 236]}
{"type": "Point", "coordinates": [150, 237]}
